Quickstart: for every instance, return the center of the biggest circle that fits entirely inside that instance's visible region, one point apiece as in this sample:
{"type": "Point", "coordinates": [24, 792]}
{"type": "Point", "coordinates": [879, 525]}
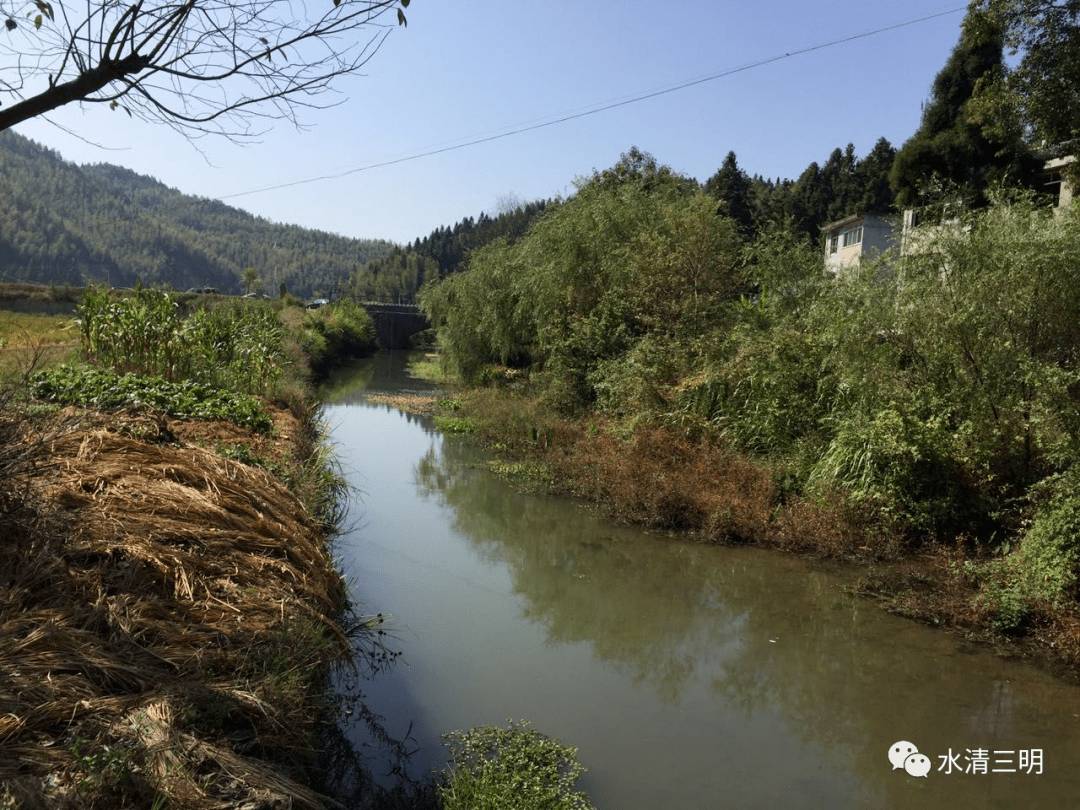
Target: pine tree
{"type": "Point", "coordinates": [731, 186]}
{"type": "Point", "coordinates": [875, 193]}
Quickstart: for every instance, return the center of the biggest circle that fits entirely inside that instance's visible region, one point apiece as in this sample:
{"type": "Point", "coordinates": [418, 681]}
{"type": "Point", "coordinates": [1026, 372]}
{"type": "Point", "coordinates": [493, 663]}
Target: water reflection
{"type": "Point", "coordinates": [767, 634]}
{"type": "Point", "coordinates": [688, 675]}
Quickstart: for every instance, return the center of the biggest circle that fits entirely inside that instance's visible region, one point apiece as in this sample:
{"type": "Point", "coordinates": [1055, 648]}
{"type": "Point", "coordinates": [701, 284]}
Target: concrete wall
{"type": "Point", "coordinates": [38, 307]}
{"type": "Point", "coordinates": [876, 239]}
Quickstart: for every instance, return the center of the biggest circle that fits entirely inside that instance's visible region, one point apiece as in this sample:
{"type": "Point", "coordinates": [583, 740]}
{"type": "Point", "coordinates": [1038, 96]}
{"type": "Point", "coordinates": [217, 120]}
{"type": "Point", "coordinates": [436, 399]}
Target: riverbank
{"type": "Point", "coordinates": [167, 618]}
{"type": "Point", "coordinates": [169, 608]}
{"type": "Point", "coordinates": [682, 480]}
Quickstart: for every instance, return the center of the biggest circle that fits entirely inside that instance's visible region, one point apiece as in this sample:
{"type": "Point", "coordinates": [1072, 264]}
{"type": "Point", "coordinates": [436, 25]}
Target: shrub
{"type": "Point", "coordinates": [1042, 572]}
{"type": "Point", "coordinates": [338, 330]}
{"type": "Point", "coordinates": [516, 767]}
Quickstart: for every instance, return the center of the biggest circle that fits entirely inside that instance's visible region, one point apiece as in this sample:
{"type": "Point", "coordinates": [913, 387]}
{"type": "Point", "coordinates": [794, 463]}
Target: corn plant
{"type": "Point", "coordinates": [238, 348]}
{"type": "Point", "coordinates": [138, 334]}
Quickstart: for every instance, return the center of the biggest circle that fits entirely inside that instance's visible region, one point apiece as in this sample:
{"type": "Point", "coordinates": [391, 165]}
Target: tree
{"type": "Point", "coordinates": [250, 279]}
{"type": "Point", "coordinates": [731, 185]}
{"type": "Point", "coordinates": [810, 199]}
{"type": "Point", "coordinates": [201, 66]}
{"type": "Point", "coordinates": [876, 194]}
{"type": "Point", "coordinates": [1038, 99]}
{"type": "Point", "coordinates": [951, 148]}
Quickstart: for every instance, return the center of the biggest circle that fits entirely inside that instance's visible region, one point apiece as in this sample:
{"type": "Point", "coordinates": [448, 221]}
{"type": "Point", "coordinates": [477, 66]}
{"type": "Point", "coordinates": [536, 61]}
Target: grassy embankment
{"type": "Point", "coordinates": [168, 607]}
{"type": "Point", "coordinates": [918, 416]}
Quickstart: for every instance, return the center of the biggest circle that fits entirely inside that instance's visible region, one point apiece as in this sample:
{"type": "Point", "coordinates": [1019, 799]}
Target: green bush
{"type": "Point", "coordinates": [1042, 572]}
{"type": "Point", "coordinates": [336, 331]}
{"type": "Point", "coordinates": [636, 254]}
{"type": "Point", "coordinates": [510, 768]}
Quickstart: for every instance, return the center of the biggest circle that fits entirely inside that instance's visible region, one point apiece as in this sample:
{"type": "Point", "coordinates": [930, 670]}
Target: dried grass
{"type": "Point", "coordinates": [663, 480]}
{"type": "Point", "coordinates": [163, 615]}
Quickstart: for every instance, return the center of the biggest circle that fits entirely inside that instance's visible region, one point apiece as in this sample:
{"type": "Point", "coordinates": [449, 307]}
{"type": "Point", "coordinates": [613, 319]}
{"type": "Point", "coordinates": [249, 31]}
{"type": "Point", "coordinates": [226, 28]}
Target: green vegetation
{"type": "Point", "coordinates": [605, 298]}
{"type": "Point", "coordinates": [496, 768]}
{"type": "Point", "coordinates": [336, 331]}
{"type": "Point", "coordinates": [952, 153]}
{"type": "Point", "coordinates": [100, 388]}
{"type": "Point", "coordinates": [237, 346]}
{"type": "Point", "coordinates": [69, 224]}
{"type": "Point", "coordinates": [455, 424]}
{"type": "Point", "coordinates": [1033, 97]}
{"type": "Point", "coordinates": [399, 275]}
{"type": "Point", "coordinates": [690, 378]}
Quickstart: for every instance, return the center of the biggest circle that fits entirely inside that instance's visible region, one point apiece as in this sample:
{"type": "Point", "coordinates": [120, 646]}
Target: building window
{"type": "Point", "coordinates": [1052, 181]}
{"type": "Point", "coordinates": [834, 241]}
{"type": "Point", "coordinates": [853, 236]}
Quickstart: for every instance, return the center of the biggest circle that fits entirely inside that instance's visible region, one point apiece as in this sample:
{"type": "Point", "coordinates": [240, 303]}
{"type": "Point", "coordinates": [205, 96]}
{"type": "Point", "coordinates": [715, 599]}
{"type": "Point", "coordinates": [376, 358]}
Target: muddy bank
{"type": "Point", "coordinates": [166, 615]}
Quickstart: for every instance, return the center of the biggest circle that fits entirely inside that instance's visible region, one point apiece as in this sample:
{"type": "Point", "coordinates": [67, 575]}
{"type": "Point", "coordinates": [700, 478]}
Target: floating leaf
{"type": "Point", "coordinates": [114, 105]}
{"type": "Point", "coordinates": [404, 3]}
{"type": "Point", "coordinates": [401, 18]}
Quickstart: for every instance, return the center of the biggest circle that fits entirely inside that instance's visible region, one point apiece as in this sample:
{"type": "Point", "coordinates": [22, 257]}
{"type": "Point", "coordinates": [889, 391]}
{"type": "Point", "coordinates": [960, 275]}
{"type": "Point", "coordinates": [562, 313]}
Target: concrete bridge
{"type": "Point", "coordinates": [396, 323]}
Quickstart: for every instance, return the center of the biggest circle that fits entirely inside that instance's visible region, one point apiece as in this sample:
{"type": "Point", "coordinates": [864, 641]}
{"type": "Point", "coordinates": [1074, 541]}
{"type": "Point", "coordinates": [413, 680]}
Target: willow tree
{"type": "Point", "coordinates": [201, 66]}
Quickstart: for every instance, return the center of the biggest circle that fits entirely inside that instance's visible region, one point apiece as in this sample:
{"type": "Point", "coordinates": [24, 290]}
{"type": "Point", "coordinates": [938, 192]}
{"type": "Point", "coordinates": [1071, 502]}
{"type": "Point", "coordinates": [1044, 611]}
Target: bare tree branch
{"type": "Point", "coordinates": [201, 66]}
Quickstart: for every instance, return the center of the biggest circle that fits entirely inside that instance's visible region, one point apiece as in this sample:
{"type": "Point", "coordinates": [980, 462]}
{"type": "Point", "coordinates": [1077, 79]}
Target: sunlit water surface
{"type": "Point", "coordinates": [688, 676]}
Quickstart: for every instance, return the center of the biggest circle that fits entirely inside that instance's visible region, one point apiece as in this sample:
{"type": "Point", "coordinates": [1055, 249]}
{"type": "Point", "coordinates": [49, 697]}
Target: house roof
{"type": "Point", "coordinates": [840, 223]}
{"type": "Point", "coordinates": [849, 220]}
{"type": "Point", "coordinates": [1049, 151]}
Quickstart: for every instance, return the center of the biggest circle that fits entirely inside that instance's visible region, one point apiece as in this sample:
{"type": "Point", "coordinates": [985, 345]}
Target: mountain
{"type": "Point", "coordinates": [61, 223]}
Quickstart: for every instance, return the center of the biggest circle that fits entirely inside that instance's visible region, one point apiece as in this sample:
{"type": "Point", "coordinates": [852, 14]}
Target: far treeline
{"type": "Point", "coordinates": [101, 224]}
{"type": "Point", "coordinates": [917, 402]}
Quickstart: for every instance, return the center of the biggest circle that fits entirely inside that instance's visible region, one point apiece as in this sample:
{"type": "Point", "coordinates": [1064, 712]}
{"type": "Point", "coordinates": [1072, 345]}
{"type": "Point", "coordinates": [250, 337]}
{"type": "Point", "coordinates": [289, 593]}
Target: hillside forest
{"type": "Point", "coordinates": [66, 224]}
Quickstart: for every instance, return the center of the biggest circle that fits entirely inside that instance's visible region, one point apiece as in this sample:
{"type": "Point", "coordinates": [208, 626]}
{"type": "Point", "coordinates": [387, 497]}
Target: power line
{"type": "Point", "coordinates": [603, 108]}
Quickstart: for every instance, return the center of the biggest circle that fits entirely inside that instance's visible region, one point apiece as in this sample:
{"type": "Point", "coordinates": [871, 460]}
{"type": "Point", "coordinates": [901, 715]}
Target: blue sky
{"type": "Point", "coordinates": [464, 70]}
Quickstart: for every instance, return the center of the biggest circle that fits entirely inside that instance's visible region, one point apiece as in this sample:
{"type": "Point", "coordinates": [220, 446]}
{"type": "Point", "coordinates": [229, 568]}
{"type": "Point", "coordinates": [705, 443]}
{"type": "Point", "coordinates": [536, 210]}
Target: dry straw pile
{"type": "Point", "coordinates": [164, 613]}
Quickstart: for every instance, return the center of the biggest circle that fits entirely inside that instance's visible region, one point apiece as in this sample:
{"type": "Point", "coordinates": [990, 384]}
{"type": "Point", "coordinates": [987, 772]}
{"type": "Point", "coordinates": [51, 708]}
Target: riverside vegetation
{"type": "Point", "coordinates": [169, 612]}
{"type": "Point", "coordinates": [919, 414]}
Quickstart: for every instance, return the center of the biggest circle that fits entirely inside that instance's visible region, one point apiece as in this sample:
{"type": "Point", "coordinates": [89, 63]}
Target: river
{"type": "Point", "coordinates": [688, 676]}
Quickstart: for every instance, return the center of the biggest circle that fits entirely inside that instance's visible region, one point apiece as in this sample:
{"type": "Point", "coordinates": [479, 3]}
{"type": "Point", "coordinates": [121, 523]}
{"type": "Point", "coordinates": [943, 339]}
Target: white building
{"type": "Point", "coordinates": [1055, 182]}
{"type": "Point", "coordinates": [848, 240]}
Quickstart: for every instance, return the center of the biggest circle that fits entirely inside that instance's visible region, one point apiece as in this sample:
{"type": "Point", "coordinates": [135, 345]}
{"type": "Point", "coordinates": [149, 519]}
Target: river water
{"type": "Point", "coordinates": [688, 676]}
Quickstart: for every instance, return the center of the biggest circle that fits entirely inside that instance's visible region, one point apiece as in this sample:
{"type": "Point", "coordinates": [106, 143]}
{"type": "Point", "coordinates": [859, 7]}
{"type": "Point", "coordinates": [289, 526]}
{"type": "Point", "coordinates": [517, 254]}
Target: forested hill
{"type": "Point", "coordinates": [66, 224]}
{"type": "Point", "coordinates": [400, 274]}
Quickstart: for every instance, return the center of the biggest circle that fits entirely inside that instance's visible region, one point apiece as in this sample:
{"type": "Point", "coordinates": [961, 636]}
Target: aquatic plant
{"type": "Point", "coordinates": [494, 768]}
